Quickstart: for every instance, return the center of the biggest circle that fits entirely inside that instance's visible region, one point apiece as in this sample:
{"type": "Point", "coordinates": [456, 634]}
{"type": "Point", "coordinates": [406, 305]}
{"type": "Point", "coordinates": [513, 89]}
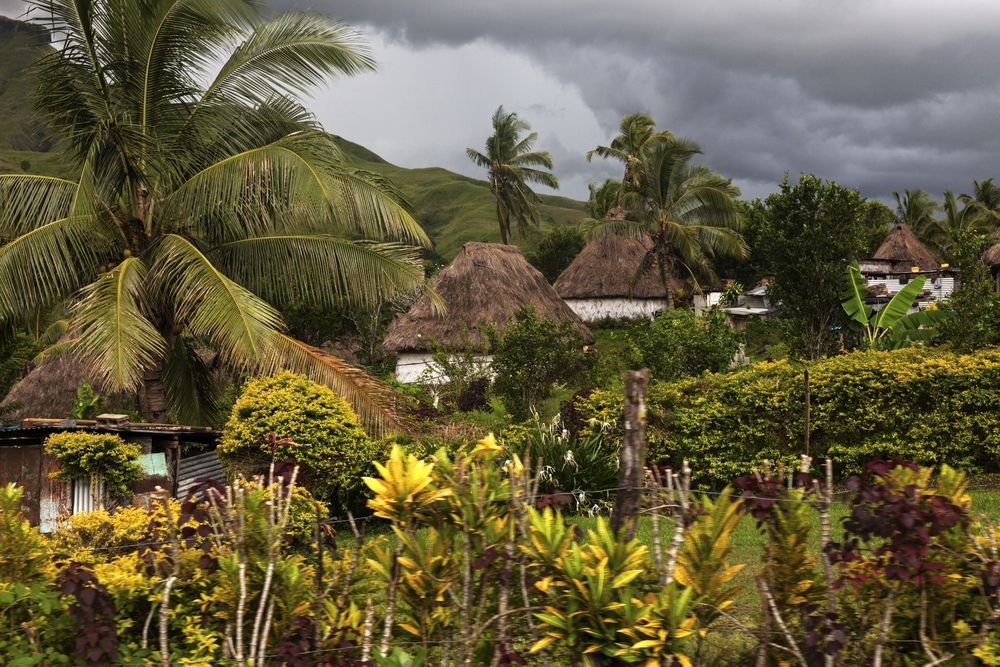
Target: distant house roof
{"type": "Point", "coordinates": [608, 267]}
{"type": "Point", "coordinates": [486, 284]}
{"type": "Point", "coordinates": [902, 247]}
{"type": "Point", "coordinates": [992, 255]}
{"type": "Point", "coordinates": [49, 390]}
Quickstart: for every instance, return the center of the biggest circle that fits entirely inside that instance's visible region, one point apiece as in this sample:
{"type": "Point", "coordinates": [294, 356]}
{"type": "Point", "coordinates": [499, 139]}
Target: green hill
{"type": "Point", "coordinates": [452, 208]}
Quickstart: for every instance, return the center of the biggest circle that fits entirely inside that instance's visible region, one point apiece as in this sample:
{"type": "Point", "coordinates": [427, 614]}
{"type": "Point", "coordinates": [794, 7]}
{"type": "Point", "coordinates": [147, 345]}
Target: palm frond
{"type": "Point", "coordinates": [592, 228]}
{"type": "Point", "coordinates": [323, 270]}
{"type": "Point", "coordinates": [374, 401]}
{"type": "Point", "coordinates": [47, 263]}
{"type": "Point", "coordinates": [114, 336]}
{"type": "Point", "coordinates": [233, 320]}
{"type": "Point", "coordinates": [239, 196]}
{"type": "Point", "coordinates": [30, 201]}
{"type": "Point", "coordinates": [291, 53]}
{"type": "Point", "coordinates": [365, 205]}
{"type": "Point", "coordinates": [174, 41]}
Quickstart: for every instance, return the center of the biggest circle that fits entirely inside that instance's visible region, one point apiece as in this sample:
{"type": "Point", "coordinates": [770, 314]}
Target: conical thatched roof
{"type": "Point", "coordinates": [486, 284]}
{"type": "Point", "coordinates": [606, 267]}
{"type": "Point", "coordinates": [901, 245]}
{"type": "Point", "coordinates": [49, 390]}
{"type": "Point", "coordinates": [991, 257]}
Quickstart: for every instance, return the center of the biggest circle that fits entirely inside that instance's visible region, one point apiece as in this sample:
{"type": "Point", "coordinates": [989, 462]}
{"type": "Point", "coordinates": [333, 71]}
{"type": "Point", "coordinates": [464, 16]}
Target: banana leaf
{"type": "Point", "coordinates": [854, 296]}
{"type": "Point", "coordinates": [899, 305]}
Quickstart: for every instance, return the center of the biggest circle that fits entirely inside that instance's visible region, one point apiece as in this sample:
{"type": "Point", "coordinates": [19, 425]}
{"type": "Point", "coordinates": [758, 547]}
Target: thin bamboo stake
{"type": "Point", "coordinates": [776, 615]}
{"type": "Point", "coordinates": [682, 485]}
{"type": "Point", "coordinates": [883, 632]}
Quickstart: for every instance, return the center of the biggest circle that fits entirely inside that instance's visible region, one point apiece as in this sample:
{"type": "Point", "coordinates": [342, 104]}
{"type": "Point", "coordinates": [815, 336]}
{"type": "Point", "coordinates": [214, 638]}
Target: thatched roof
{"type": "Point", "coordinates": [991, 257]}
{"type": "Point", "coordinates": [486, 284]}
{"type": "Point", "coordinates": [902, 246]}
{"type": "Point", "coordinates": [606, 268]}
{"type": "Point", "coordinates": [49, 390]}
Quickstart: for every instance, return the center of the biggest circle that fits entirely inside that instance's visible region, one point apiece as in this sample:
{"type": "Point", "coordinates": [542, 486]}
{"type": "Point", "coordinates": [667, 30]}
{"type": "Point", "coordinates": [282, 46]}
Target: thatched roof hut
{"type": "Point", "coordinates": [607, 267]}
{"type": "Point", "coordinates": [991, 257]}
{"type": "Point", "coordinates": [49, 390]}
{"type": "Point", "coordinates": [902, 247]}
{"type": "Point", "coordinates": [486, 284]}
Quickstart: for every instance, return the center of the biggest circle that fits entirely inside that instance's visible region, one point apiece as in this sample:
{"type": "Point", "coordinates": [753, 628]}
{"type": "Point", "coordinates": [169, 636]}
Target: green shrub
{"type": "Point", "coordinates": [23, 556]}
{"type": "Point", "coordinates": [531, 356]}
{"type": "Point", "coordinates": [97, 454]}
{"type": "Point", "coordinates": [929, 406]}
{"type": "Point", "coordinates": [678, 343]}
{"type": "Point", "coordinates": [313, 426]}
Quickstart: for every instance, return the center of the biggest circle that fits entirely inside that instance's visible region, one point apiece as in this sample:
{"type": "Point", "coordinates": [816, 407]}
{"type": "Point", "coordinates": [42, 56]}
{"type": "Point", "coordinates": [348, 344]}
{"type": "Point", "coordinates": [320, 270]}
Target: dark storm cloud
{"type": "Point", "coordinates": [877, 94]}
{"type": "Point", "coordinates": [881, 95]}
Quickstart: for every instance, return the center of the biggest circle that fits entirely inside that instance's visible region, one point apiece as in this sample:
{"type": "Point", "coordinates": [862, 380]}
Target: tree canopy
{"type": "Point", "coordinates": [809, 232]}
{"type": "Point", "coordinates": [206, 198]}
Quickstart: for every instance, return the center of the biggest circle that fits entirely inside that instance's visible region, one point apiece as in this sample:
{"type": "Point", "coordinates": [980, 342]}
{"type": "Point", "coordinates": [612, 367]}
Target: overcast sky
{"type": "Point", "coordinates": [880, 95]}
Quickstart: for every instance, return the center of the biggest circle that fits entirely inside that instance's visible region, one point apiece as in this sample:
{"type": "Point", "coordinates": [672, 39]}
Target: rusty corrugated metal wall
{"type": "Point", "coordinates": [44, 499]}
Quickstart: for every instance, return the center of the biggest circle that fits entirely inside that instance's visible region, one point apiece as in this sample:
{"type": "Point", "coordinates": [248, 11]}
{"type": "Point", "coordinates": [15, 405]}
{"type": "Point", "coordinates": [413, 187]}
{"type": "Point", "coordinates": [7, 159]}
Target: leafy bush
{"type": "Point", "coordinates": [531, 356]}
{"type": "Point", "coordinates": [97, 454]}
{"type": "Point", "coordinates": [930, 406]}
{"type": "Point", "coordinates": [94, 533]}
{"type": "Point", "coordinates": [556, 251]}
{"type": "Point", "coordinates": [678, 343]}
{"type": "Point", "coordinates": [313, 426]}
{"type": "Point", "coordinates": [22, 550]}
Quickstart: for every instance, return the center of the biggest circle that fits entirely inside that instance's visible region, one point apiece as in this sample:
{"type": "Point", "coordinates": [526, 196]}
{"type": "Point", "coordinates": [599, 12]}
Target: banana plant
{"type": "Point", "coordinates": [892, 326]}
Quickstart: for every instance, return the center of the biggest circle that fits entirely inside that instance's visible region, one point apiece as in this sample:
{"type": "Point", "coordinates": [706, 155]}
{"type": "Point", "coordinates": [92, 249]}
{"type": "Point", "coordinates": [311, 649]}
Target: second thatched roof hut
{"type": "Point", "coordinates": [901, 257]}
{"type": "Point", "coordinates": [605, 280]}
{"type": "Point", "coordinates": [905, 250]}
{"type": "Point", "coordinates": [485, 285]}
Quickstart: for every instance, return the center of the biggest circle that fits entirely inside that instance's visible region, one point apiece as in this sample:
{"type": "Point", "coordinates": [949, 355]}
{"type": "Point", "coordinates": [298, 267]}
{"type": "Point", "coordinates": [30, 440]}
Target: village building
{"type": "Point", "coordinates": [755, 302]}
{"type": "Point", "coordinates": [991, 258]}
{"type": "Point", "coordinates": [900, 258]}
{"type": "Point", "coordinates": [484, 286]}
{"type": "Point", "coordinates": [173, 457]}
{"type": "Point", "coordinates": [607, 280]}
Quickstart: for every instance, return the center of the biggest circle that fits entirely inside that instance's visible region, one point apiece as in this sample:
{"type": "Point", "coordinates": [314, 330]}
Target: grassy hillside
{"type": "Point", "coordinates": [452, 208]}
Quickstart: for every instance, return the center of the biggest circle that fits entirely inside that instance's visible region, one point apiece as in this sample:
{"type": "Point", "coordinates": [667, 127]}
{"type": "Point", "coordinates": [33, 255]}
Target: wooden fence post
{"type": "Point", "coordinates": [632, 464]}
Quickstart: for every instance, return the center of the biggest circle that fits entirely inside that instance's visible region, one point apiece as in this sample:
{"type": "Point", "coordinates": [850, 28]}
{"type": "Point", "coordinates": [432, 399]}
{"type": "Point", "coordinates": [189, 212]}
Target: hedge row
{"type": "Point", "coordinates": [931, 407]}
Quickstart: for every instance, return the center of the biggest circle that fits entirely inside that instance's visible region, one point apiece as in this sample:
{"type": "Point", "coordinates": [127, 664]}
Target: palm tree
{"type": "Point", "coordinates": [984, 203]}
{"type": "Point", "coordinates": [198, 210]}
{"type": "Point", "coordinates": [512, 164]}
{"type": "Point", "coordinates": [635, 131]}
{"type": "Point", "coordinates": [960, 218]}
{"type": "Point", "coordinates": [688, 210]}
{"type": "Point", "coordinates": [916, 209]}
{"type": "Point", "coordinates": [603, 198]}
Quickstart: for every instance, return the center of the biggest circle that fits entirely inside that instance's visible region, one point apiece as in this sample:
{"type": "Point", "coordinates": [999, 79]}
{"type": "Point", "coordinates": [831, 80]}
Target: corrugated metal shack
{"type": "Point", "coordinates": [181, 452]}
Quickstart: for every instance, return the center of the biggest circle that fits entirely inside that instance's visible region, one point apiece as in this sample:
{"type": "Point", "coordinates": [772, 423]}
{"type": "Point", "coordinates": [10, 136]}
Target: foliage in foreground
{"type": "Point", "coordinates": [472, 571]}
